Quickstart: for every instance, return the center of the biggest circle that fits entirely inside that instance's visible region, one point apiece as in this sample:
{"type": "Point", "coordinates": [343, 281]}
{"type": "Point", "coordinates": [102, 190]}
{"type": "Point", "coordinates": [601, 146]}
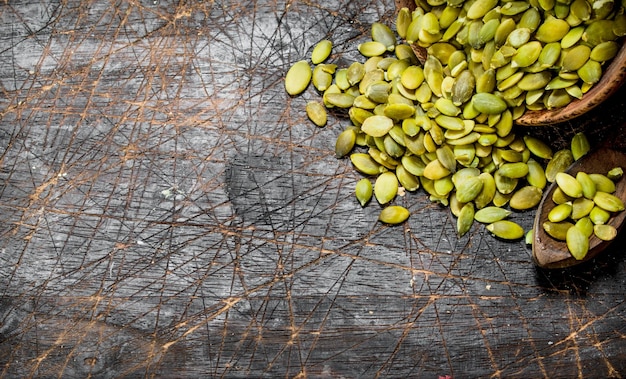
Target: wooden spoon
{"type": "Point", "coordinates": [550, 253]}
{"type": "Point", "coordinates": [612, 78]}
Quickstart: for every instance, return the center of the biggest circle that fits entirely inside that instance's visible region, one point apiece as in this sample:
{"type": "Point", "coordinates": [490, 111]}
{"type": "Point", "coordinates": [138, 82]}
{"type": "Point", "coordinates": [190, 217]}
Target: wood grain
{"type": "Point", "coordinates": [168, 211]}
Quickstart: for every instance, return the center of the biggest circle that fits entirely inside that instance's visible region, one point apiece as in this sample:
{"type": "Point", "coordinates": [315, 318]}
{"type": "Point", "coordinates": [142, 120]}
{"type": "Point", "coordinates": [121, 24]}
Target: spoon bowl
{"type": "Point", "coordinates": [551, 253]}
{"type": "Point", "coordinates": [611, 80]}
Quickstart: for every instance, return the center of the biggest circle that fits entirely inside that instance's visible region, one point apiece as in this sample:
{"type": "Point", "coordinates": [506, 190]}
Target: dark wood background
{"type": "Point", "coordinates": [166, 210]}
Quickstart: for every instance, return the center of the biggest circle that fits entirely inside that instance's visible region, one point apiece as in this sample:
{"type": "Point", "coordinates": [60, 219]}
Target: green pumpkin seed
{"type": "Point", "coordinates": [568, 184]}
{"type": "Point", "coordinates": [488, 103]}
{"type": "Point", "coordinates": [316, 113]}
{"type": "Point", "coordinates": [576, 57]}
{"type": "Point", "coordinates": [435, 170]}
{"type": "Point", "coordinates": [603, 183]}
{"type": "Point", "coordinates": [372, 48]}
{"type": "Point", "coordinates": [615, 173]}
{"type": "Point", "coordinates": [557, 230]}
{"type": "Point", "coordinates": [385, 187]}
{"type": "Point", "coordinates": [407, 180]}
{"type": "Point", "coordinates": [581, 207]}
{"type": "Point", "coordinates": [298, 78]}
{"type": "Point", "coordinates": [560, 212]}
{"type": "Point", "coordinates": [577, 242]}
{"type": "Point", "coordinates": [506, 229]}
{"type": "Point", "coordinates": [465, 220]}
{"type": "Point", "coordinates": [552, 30]}
{"type": "Point", "coordinates": [365, 164]}
{"type": "Point", "coordinates": [585, 225]}
{"type": "Point", "coordinates": [491, 214]}
{"type": "Point", "coordinates": [363, 191]}
{"type": "Point", "coordinates": [561, 160]}
{"type": "Point", "coordinates": [394, 214]}
{"type": "Point", "coordinates": [608, 202]}
{"type": "Point", "coordinates": [321, 51]}
{"type": "Point", "coordinates": [377, 125]}
{"type": "Point", "coordinates": [605, 232]}
{"type": "Point", "coordinates": [383, 34]}
{"type": "Point", "coordinates": [579, 145]}
{"type": "Point", "coordinates": [599, 216]}
{"type": "Point", "coordinates": [526, 198]}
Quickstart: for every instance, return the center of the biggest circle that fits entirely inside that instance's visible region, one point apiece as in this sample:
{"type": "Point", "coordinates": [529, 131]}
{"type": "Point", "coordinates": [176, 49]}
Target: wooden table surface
{"type": "Point", "coordinates": [168, 211]}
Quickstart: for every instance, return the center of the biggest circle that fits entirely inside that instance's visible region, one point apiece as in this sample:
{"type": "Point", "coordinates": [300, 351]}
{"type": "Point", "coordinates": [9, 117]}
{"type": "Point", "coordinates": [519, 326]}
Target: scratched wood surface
{"type": "Point", "coordinates": [167, 211]}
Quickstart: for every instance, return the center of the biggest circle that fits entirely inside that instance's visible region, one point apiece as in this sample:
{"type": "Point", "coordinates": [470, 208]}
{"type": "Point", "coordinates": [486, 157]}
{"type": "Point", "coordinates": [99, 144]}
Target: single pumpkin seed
{"type": "Point", "coordinates": [568, 184]}
{"type": "Point", "coordinates": [585, 225]}
{"type": "Point", "coordinates": [615, 173]}
{"type": "Point", "coordinates": [608, 202]}
{"type": "Point", "coordinates": [363, 191]}
{"type": "Point", "coordinates": [298, 78]}
{"type": "Point", "coordinates": [383, 34]}
{"type": "Point", "coordinates": [603, 183]}
{"type": "Point", "coordinates": [526, 197]}
{"type": "Point", "coordinates": [491, 214]}
{"type": "Point", "coordinates": [365, 164]}
{"type": "Point", "coordinates": [394, 214]}
{"type": "Point", "coordinates": [372, 48]}
{"type": "Point", "coordinates": [579, 145]}
{"type": "Point", "coordinates": [561, 160]}
{"type": "Point", "coordinates": [557, 230]}
{"type": "Point", "coordinates": [560, 212]}
{"type": "Point", "coordinates": [465, 220]}
{"type": "Point", "coordinates": [599, 215]}
{"type": "Point", "coordinates": [577, 242]}
{"type": "Point", "coordinates": [605, 232]}
{"type": "Point", "coordinates": [506, 229]}
{"type": "Point", "coordinates": [581, 207]}
{"type": "Point", "coordinates": [488, 103]}
{"type": "Point", "coordinates": [321, 51]}
{"type": "Point", "coordinates": [407, 180]}
{"type": "Point", "coordinates": [385, 187]}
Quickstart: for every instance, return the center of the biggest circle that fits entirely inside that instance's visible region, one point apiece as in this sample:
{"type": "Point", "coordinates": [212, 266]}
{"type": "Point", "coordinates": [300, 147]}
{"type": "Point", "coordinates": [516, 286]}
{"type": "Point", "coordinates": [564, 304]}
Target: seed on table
{"type": "Point", "coordinates": [345, 142]}
{"type": "Point", "coordinates": [372, 48]}
{"type": "Point", "coordinates": [407, 180]}
{"type": "Point", "coordinates": [298, 78]}
{"type": "Point", "coordinates": [377, 125]}
{"type": "Point", "coordinates": [468, 189]}
{"type": "Point", "coordinates": [363, 191]}
{"type": "Point", "coordinates": [487, 193]}
{"type": "Point", "coordinates": [365, 164]}
{"type": "Point", "coordinates": [465, 220]}
{"type": "Point", "coordinates": [514, 170]}
{"type": "Point", "coordinates": [491, 214]}
{"type": "Point", "coordinates": [579, 145]}
{"type": "Point", "coordinates": [316, 113]}
{"type": "Point", "coordinates": [435, 170]}
{"type": "Point", "coordinates": [321, 51]}
{"type": "Point", "coordinates": [385, 187]}
{"type": "Point", "coordinates": [488, 103]}
{"type": "Point", "coordinates": [321, 79]}
{"type": "Point", "coordinates": [561, 160]}
{"type": "Point", "coordinates": [526, 197]}
{"type": "Point", "coordinates": [605, 232]}
{"type": "Point", "coordinates": [577, 242]}
{"type": "Point", "coordinates": [506, 229]}
{"type": "Point", "coordinates": [536, 176]}
{"type": "Point", "coordinates": [383, 34]}
{"type": "Point", "coordinates": [340, 100]}
{"type": "Point", "coordinates": [394, 214]}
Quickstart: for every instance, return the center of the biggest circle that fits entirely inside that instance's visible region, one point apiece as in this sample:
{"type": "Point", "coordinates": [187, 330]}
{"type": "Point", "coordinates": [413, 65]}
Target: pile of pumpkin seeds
{"type": "Point", "coordinates": [584, 205]}
{"type": "Point", "coordinates": [444, 122]}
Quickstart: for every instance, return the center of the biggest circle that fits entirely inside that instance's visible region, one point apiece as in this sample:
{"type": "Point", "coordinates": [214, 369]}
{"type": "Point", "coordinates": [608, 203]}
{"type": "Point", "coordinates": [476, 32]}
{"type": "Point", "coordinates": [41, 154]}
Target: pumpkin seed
{"type": "Point", "coordinates": [568, 184]}
{"type": "Point", "coordinates": [317, 113]}
{"type": "Point", "coordinates": [526, 198]}
{"type": "Point", "coordinates": [298, 78]}
{"type": "Point", "coordinates": [560, 212]}
{"type": "Point", "coordinates": [577, 242]}
{"type": "Point", "coordinates": [557, 230]}
{"type": "Point", "coordinates": [506, 229]}
{"type": "Point", "coordinates": [394, 214]}
{"type": "Point", "coordinates": [608, 202]}
{"type": "Point", "coordinates": [605, 232]}
{"type": "Point", "coordinates": [491, 214]}
{"type": "Point", "coordinates": [363, 191]}
{"type": "Point", "coordinates": [321, 51]}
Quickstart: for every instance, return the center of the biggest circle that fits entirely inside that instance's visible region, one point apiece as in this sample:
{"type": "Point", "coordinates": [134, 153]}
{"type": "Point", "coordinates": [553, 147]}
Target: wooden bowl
{"type": "Point", "coordinates": [612, 78]}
